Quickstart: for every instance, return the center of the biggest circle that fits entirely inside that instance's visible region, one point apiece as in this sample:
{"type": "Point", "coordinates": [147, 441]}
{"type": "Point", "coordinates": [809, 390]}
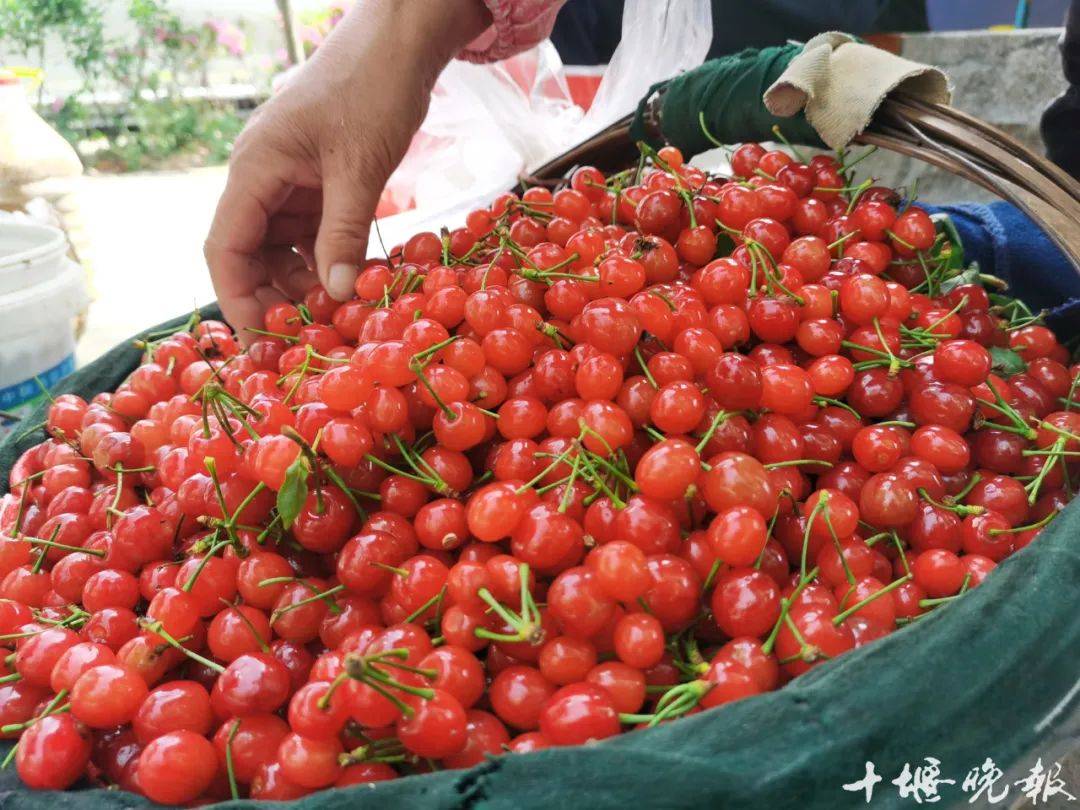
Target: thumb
{"type": "Point", "coordinates": [341, 244]}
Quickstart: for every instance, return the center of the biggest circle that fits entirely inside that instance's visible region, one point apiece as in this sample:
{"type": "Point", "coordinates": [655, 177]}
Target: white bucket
{"type": "Point", "coordinates": [28, 254]}
{"type": "Point", "coordinates": [41, 293]}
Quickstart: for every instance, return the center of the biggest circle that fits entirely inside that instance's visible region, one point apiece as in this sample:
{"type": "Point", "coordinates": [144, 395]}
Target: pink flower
{"type": "Point", "coordinates": [335, 11]}
{"type": "Point", "coordinates": [228, 36]}
{"type": "Point", "coordinates": [311, 35]}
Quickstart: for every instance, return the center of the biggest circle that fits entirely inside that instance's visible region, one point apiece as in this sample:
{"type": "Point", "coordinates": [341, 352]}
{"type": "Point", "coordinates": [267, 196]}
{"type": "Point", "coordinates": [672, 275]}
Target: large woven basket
{"type": "Point", "coordinates": [995, 675]}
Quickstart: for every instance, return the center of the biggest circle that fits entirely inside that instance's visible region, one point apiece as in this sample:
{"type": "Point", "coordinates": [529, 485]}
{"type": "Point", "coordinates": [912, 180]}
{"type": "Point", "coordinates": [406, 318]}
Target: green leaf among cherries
{"type": "Point", "coordinates": [293, 493]}
{"type": "Point", "coordinates": [1007, 360]}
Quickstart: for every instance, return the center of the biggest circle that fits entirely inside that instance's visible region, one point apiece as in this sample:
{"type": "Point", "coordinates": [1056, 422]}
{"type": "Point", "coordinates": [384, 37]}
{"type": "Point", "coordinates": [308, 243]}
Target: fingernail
{"type": "Point", "coordinates": [340, 280]}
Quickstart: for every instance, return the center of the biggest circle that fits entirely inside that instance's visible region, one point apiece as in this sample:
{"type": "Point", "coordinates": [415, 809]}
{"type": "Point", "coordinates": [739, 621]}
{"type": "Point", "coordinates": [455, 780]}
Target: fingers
{"type": "Point", "coordinates": [289, 229]}
{"type": "Point", "coordinates": [253, 191]}
{"type": "Point", "coordinates": [348, 206]}
{"type": "Point", "coordinates": [288, 271]}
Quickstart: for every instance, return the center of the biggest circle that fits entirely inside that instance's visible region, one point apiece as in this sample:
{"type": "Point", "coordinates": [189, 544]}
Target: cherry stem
{"type": "Point", "coordinates": [339, 482]}
{"type": "Point", "coordinates": [586, 430]}
{"type": "Point", "coordinates": [944, 600]}
{"type": "Point", "coordinates": [806, 535]}
{"type": "Point", "coordinates": [545, 276]}
{"type": "Point", "coordinates": [557, 460]}
{"type": "Point", "coordinates": [234, 790]}
{"type": "Point", "coordinates": [847, 344]}
{"type": "Point", "coordinates": [612, 469]}
{"type": "Point", "coordinates": [264, 583]}
{"type": "Point", "coordinates": [894, 361]}
{"type": "Point", "coordinates": [528, 623]}
{"type": "Point", "coordinates": [675, 702]}
{"type": "Point", "coordinates": [970, 485]}
{"type": "Point", "coordinates": [420, 611]}
{"type": "Point", "coordinates": [1003, 407]}
{"type": "Point", "coordinates": [400, 572]}
{"type": "Point", "coordinates": [427, 474]}
{"type": "Point", "coordinates": [797, 462]}
{"type": "Point", "coordinates": [1036, 484]}
{"type": "Point", "coordinates": [1059, 431]}
{"type": "Point", "coordinates": [37, 541]}
{"type": "Point", "coordinates": [211, 465]}
{"type": "Point", "coordinates": [324, 702]}
{"type": "Point", "coordinates": [653, 433]}
{"type": "Point", "coordinates": [820, 400]}
{"type": "Point", "coordinates": [114, 507]}
{"type": "Point", "coordinates": [644, 367]}
{"type": "Point", "coordinates": [156, 628]}
{"type": "Point", "coordinates": [300, 372]}
{"type": "Point", "coordinates": [387, 749]}
{"type": "Point", "coordinates": [714, 569]}
{"type": "Point", "coordinates": [1068, 400]}
{"type": "Point", "coordinates": [719, 419]}
{"type": "Point", "coordinates": [365, 669]}
{"type": "Point", "coordinates": [214, 549]}
{"type": "Point", "coordinates": [823, 501]}
{"type": "Point", "coordinates": [892, 586]}
{"type": "Point", "coordinates": [841, 240]}
{"type": "Point", "coordinates": [247, 622]}
{"type": "Point", "coordinates": [378, 462]}
{"type": "Point", "coordinates": [244, 504]}
{"type": "Point", "coordinates": [785, 606]}
{"type": "Point", "coordinates": [858, 190]}
{"type": "Point", "coordinates": [326, 596]}
{"type": "Point", "coordinates": [418, 370]}
{"type": "Point", "coordinates": [794, 149]}
{"type": "Point", "coordinates": [807, 652]}
{"type": "Point", "coordinates": [567, 496]}
{"type": "Point", "coordinates": [772, 273]}
{"type": "Point", "coordinates": [598, 480]}
{"type": "Point", "coordinates": [268, 333]}
{"type": "Point", "coordinates": [54, 707]}
{"type": "Point", "coordinates": [1030, 527]}
{"type": "Point", "coordinates": [900, 550]}
{"type": "Point", "coordinates": [958, 509]}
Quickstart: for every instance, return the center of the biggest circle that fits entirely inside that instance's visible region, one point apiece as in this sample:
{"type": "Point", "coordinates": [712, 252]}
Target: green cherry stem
{"type": "Point", "coordinates": [892, 586]}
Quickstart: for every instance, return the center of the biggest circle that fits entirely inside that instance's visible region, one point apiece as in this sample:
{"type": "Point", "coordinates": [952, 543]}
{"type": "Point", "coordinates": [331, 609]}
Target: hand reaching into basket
{"type": "Point", "coordinates": [306, 173]}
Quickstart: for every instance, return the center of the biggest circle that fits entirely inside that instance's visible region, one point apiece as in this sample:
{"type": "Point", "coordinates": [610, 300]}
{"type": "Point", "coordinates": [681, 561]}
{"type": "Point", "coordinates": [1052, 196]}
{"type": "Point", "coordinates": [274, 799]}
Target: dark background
{"type": "Point", "coordinates": [587, 31]}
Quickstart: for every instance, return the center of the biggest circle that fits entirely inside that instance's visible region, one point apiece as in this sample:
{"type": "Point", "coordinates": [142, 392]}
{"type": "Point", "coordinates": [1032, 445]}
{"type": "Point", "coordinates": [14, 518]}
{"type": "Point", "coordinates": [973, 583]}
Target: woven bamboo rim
{"type": "Point", "coordinates": [934, 133]}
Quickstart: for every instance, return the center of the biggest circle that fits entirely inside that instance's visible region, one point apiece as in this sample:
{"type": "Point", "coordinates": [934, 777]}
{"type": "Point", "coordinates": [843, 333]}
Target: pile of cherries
{"type": "Point", "coordinates": [603, 457]}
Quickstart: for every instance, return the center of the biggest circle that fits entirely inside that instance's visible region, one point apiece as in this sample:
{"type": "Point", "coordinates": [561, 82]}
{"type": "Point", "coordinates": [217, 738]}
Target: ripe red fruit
{"type": "Point", "coordinates": [578, 713]}
{"type": "Point", "coordinates": [543, 468]}
{"type": "Point", "coordinates": [53, 753]}
{"type": "Point", "coordinates": [738, 535]}
{"type": "Point", "coordinates": [171, 754]}
{"type": "Point", "coordinates": [107, 696]}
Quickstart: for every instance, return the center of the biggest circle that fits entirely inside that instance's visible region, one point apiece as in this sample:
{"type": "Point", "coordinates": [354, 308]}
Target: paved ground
{"type": "Point", "coordinates": [141, 235]}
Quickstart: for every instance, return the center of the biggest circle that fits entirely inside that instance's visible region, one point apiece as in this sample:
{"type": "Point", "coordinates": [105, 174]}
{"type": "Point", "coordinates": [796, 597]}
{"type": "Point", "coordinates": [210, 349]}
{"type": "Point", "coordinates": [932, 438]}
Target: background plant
{"type": "Point", "coordinates": [144, 100]}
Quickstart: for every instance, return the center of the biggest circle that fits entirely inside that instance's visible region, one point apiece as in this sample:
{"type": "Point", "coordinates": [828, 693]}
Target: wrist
{"type": "Point", "coordinates": [421, 36]}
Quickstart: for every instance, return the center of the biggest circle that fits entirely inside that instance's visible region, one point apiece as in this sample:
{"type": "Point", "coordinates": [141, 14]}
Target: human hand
{"type": "Point", "coordinates": [306, 173]}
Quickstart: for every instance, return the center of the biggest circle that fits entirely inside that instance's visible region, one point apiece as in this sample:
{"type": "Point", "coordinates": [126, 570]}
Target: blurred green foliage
{"type": "Point", "coordinates": [143, 100]}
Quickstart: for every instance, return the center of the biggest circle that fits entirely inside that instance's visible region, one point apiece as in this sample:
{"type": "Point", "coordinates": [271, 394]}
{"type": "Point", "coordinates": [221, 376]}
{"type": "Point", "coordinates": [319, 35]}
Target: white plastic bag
{"type": "Point", "coordinates": [489, 124]}
{"type": "Point", "coordinates": [659, 40]}
{"type": "Point", "coordinates": [486, 124]}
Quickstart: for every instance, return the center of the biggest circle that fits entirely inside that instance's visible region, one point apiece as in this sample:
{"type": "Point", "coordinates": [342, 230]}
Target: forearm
{"type": "Point", "coordinates": [417, 36]}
